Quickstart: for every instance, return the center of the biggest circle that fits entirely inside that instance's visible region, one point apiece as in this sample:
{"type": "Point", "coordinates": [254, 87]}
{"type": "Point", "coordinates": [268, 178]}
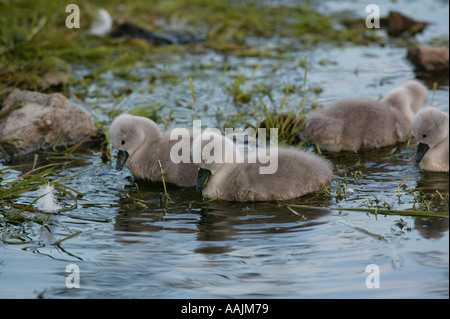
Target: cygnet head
{"type": "Point", "coordinates": [418, 94]}
{"type": "Point", "coordinates": [128, 133]}
{"type": "Point", "coordinates": [408, 98]}
{"type": "Point", "coordinates": [430, 127]}
{"type": "Point", "coordinates": [211, 150]}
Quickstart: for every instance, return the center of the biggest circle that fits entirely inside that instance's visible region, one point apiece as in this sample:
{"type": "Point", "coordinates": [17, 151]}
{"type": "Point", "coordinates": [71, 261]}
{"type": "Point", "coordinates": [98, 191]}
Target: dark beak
{"type": "Point", "coordinates": [202, 178]}
{"type": "Point", "coordinates": [122, 157]}
{"type": "Point", "coordinates": [421, 150]}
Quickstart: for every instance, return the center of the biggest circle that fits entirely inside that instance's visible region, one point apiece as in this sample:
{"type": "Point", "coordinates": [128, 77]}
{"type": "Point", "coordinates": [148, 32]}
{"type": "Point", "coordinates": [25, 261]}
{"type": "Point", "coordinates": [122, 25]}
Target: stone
{"type": "Point", "coordinates": [398, 24]}
{"type": "Point", "coordinates": [429, 59]}
{"type": "Point", "coordinates": [33, 121]}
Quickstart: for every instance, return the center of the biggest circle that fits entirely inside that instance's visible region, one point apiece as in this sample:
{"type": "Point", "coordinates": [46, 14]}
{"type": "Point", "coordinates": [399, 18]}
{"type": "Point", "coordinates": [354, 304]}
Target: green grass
{"type": "Point", "coordinates": [36, 45]}
{"type": "Point", "coordinates": [290, 125]}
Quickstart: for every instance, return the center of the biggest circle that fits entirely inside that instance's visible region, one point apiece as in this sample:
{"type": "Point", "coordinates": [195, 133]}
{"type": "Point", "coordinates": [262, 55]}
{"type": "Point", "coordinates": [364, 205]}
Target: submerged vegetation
{"type": "Point", "coordinates": [38, 52]}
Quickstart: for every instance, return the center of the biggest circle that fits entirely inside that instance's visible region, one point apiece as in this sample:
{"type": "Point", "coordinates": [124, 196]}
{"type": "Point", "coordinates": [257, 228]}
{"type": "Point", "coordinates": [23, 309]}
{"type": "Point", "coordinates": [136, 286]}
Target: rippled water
{"type": "Point", "coordinates": [135, 245]}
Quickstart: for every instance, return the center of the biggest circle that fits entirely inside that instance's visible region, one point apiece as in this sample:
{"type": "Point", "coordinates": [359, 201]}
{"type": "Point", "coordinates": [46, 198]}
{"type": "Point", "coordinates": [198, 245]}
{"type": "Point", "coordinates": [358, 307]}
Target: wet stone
{"type": "Point", "coordinates": [32, 121]}
{"type": "Point", "coordinates": [429, 59]}
{"type": "Point", "coordinates": [398, 24]}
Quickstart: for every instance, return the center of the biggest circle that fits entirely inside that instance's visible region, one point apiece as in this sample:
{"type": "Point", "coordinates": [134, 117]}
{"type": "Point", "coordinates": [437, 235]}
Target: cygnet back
{"type": "Point", "coordinates": [296, 174]}
{"type": "Point", "coordinates": [355, 124]}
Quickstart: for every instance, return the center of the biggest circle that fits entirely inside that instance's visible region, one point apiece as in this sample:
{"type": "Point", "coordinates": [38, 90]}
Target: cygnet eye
{"type": "Point", "coordinates": [424, 135]}
{"type": "Point", "coordinates": [123, 142]}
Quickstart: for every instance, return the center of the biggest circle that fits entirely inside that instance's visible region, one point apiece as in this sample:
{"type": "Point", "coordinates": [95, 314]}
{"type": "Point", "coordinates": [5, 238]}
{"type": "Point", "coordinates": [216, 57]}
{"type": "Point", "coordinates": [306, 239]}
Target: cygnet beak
{"type": "Point", "coordinates": [421, 150]}
{"type": "Point", "coordinates": [202, 178]}
{"type": "Point", "coordinates": [122, 157]}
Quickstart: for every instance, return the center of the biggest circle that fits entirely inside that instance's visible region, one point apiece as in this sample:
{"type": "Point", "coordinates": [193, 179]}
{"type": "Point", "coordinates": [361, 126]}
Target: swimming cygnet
{"type": "Point", "coordinates": [227, 174]}
{"type": "Point", "coordinates": [354, 124]}
{"type": "Point", "coordinates": [141, 144]}
{"type": "Point", "coordinates": [430, 128]}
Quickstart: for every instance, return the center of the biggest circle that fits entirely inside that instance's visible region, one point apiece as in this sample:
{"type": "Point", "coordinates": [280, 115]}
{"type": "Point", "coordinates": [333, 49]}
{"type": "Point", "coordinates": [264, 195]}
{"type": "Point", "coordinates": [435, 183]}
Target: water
{"type": "Point", "coordinates": [132, 245]}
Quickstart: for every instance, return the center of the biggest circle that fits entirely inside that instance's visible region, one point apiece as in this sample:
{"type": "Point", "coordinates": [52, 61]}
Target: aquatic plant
{"type": "Point", "coordinates": [41, 181]}
{"type": "Point", "coordinates": [290, 125]}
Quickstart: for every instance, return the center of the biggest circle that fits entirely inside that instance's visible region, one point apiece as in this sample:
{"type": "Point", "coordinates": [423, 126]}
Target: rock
{"type": "Point", "coordinates": [31, 121]}
{"type": "Point", "coordinates": [398, 24]}
{"type": "Point", "coordinates": [429, 59]}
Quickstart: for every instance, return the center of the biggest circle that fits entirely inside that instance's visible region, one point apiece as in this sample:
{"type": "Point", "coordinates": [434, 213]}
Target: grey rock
{"type": "Point", "coordinates": [31, 121]}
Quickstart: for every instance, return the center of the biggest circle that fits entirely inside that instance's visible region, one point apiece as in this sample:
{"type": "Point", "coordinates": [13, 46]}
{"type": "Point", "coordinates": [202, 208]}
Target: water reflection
{"type": "Point", "coordinates": [216, 224]}
{"type": "Point", "coordinates": [430, 182]}
{"type": "Point", "coordinates": [431, 228]}
{"type": "Point", "coordinates": [356, 160]}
